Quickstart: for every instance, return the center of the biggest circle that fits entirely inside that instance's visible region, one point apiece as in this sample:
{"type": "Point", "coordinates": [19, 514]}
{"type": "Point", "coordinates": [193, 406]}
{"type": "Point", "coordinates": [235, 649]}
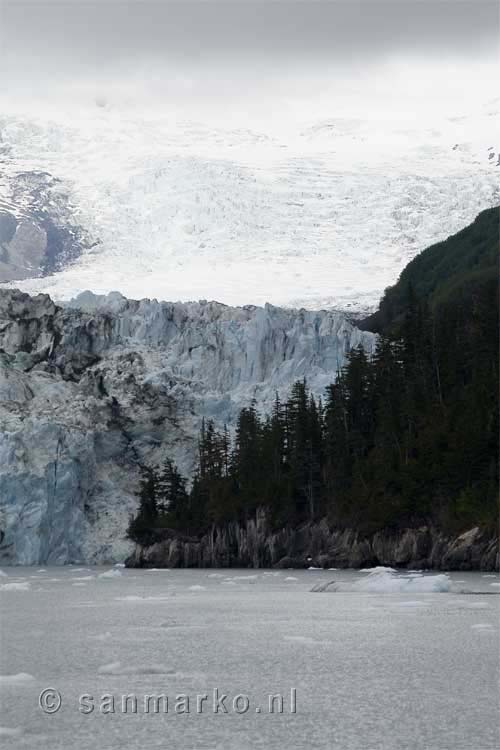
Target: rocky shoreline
{"type": "Point", "coordinates": [255, 545]}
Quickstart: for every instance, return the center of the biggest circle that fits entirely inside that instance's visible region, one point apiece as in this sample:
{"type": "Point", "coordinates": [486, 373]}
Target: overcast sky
{"type": "Point", "coordinates": [111, 44]}
{"type": "Point", "coordinates": [81, 31]}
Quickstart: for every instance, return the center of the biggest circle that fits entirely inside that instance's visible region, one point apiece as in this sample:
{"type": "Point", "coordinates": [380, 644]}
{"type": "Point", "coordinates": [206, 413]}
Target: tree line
{"type": "Point", "coordinates": [404, 437]}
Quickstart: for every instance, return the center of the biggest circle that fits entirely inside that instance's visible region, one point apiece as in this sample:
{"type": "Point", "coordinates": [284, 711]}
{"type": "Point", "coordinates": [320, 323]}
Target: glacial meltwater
{"type": "Point", "coordinates": [241, 659]}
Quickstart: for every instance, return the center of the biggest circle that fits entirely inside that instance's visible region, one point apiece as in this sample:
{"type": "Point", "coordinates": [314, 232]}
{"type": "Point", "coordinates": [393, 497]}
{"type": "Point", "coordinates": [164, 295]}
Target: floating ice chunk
{"type": "Point", "coordinates": [119, 565]}
{"type": "Point", "coordinates": [494, 584]}
{"type": "Point", "coordinates": [299, 639]}
{"type": "Point", "coordinates": [379, 569]}
{"type": "Point", "coordinates": [169, 624]}
{"type": "Point", "coordinates": [176, 626]}
{"type": "Point", "coordinates": [10, 731]}
{"type": "Point", "coordinates": [489, 575]}
{"type": "Point", "coordinates": [306, 640]}
{"type": "Point", "coordinates": [21, 678]}
{"type": "Point", "coordinates": [196, 587]}
{"type": "Point", "coordinates": [83, 578]}
{"type": "Point", "coordinates": [114, 667]}
{"type": "Point", "coordinates": [112, 573]}
{"type": "Point", "coordinates": [313, 567]}
{"type": "Point", "coordinates": [482, 626]}
{"type": "Point", "coordinates": [16, 586]}
{"type": "Point", "coordinates": [2, 574]}
{"type": "Point", "coordinates": [248, 579]}
{"type": "Point", "coordinates": [388, 581]}
{"type": "Point", "coordinates": [215, 575]}
{"type": "Point", "coordinates": [477, 605]}
{"type": "Point", "coordinates": [101, 636]}
{"type": "Point", "coordinates": [228, 582]}
{"type": "Point", "coordinates": [134, 598]}
{"type": "Point", "coordinates": [117, 668]}
{"type": "Point", "coordinates": [322, 586]}
{"type": "Point", "coordinates": [129, 598]}
{"type": "Point", "coordinates": [41, 570]}
{"type": "Point", "coordinates": [291, 578]}
{"type": "Point", "coordinates": [332, 568]}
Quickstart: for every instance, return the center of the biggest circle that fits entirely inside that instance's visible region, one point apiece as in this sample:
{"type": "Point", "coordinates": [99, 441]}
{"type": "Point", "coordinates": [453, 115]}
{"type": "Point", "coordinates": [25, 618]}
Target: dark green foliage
{"type": "Point", "coordinates": [407, 437]}
{"type": "Point", "coordinates": [140, 527]}
{"type": "Point", "coordinates": [465, 260]}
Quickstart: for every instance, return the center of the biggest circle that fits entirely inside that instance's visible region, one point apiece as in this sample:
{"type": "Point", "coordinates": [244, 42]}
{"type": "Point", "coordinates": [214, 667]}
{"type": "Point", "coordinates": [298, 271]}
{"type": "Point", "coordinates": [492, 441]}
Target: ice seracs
{"type": "Point", "coordinates": [318, 214]}
{"type": "Point", "coordinates": [92, 390]}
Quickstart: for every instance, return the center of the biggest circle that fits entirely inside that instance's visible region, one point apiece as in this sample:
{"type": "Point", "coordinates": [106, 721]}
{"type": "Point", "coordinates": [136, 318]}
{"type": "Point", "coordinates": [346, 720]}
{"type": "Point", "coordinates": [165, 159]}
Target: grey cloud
{"type": "Point", "coordinates": [90, 33]}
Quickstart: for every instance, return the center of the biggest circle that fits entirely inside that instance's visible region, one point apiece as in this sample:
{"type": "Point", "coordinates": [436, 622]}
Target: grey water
{"type": "Point", "coordinates": [355, 670]}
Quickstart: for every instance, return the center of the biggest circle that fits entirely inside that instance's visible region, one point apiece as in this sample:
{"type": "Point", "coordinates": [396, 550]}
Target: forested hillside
{"type": "Point", "coordinates": [406, 437]}
{"type": "Point", "coordinates": [448, 271]}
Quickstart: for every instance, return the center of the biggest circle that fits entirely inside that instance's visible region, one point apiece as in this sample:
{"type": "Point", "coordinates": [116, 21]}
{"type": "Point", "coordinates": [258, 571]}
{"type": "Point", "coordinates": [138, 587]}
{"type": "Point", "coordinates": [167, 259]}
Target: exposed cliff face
{"type": "Point", "coordinates": [255, 545]}
{"type": "Point", "coordinates": [90, 391]}
{"type": "Point", "coordinates": [39, 232]}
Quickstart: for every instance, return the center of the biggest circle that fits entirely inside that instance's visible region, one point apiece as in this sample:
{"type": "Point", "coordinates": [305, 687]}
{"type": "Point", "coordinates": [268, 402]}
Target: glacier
{"type": "Point", "coordinates": [92, 389]}
{"type": "Point", "coordinates": [313, 213]}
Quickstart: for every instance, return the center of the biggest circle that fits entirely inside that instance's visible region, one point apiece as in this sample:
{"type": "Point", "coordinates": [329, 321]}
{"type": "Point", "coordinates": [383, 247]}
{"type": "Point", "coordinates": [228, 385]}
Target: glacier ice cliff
{"type": "Point", "coordinates": [91, 390]}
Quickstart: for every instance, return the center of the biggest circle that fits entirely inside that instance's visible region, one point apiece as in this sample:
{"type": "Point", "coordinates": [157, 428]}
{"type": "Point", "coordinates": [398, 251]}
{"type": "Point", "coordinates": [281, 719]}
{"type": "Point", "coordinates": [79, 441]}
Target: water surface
{"type": "Point", "coordinates": [369, 670]}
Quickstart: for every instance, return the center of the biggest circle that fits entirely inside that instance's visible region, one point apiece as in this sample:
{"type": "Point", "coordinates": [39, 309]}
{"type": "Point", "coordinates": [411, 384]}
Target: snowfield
{"type": "Point", "coordinates": [323, 214]}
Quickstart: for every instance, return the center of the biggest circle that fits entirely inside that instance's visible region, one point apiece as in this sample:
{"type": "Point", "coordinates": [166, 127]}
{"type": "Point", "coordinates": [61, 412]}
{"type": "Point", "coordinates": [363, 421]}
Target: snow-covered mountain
{"type": "Point", "coordinates": [91, 391]}
{"type": "Point", "coordinates": [318, 215]}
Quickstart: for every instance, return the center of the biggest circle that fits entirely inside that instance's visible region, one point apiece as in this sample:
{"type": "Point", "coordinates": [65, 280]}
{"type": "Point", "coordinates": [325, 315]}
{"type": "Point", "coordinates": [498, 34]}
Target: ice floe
{"type": "Point", "coordinates": [112, 573]}
{"type": "Point", "coordinates": [21, 678]}
{"type": "Point", "coordinates": [117, 668]}
{"type": "Point", "coordinates": [383, 569]}
{"type": "Point", "coordinates": [477, 605]}
{"type": "Point", "coordinates": [143, 599]}
{"type": "Point", "coordinates": [304, 639]}
{"type": "Point", "coordinates": [382, 580]}
{"type": "Point", "coordinates": [15, 586]}
{"type": "Point", "coordinates": [101, 636]}
{"type": "Point", "coordinates": [482, 626]}
{"type": "Point", "coordinates": [387, 582]}
{"type": "Point", "coordinates": [10, 731]}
